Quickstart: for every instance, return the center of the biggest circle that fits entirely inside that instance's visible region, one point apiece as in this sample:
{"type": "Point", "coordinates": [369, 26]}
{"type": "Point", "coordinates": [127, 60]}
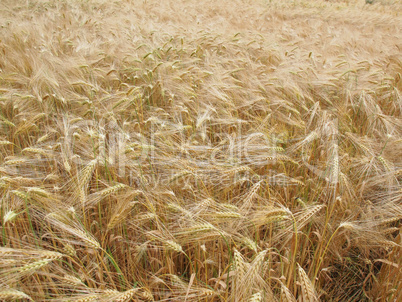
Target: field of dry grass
{"type": "Point", "coordinates": [184, 150]}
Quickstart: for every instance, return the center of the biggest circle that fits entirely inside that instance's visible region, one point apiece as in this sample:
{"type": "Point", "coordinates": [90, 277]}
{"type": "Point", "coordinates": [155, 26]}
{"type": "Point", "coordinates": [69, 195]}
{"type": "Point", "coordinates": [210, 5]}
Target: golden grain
{"type": "Point", "coordinates": [263, 136]}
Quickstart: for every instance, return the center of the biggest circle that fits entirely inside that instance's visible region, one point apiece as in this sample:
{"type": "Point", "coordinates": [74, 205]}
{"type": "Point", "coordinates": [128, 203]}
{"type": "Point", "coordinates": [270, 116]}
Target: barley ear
{"type": "Point", "coordinates": [308, 292]}
{"type": "Point", "coordinates": [13, 295]}
{"type": "Point", "coordinates": [257, 297]}
{"type": "Point", "coordinates": [286, 295]}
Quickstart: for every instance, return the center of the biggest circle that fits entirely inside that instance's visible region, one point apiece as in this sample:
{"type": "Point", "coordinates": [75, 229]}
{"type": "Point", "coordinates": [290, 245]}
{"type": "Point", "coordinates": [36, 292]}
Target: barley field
{"type": "Point", "coordinates": [183, 150]}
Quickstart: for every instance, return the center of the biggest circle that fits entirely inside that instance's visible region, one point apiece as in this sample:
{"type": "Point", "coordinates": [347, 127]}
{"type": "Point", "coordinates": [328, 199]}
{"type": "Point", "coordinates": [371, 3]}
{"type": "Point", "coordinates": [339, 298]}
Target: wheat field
{"type": "Point", "coordinates": [241, 150]}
